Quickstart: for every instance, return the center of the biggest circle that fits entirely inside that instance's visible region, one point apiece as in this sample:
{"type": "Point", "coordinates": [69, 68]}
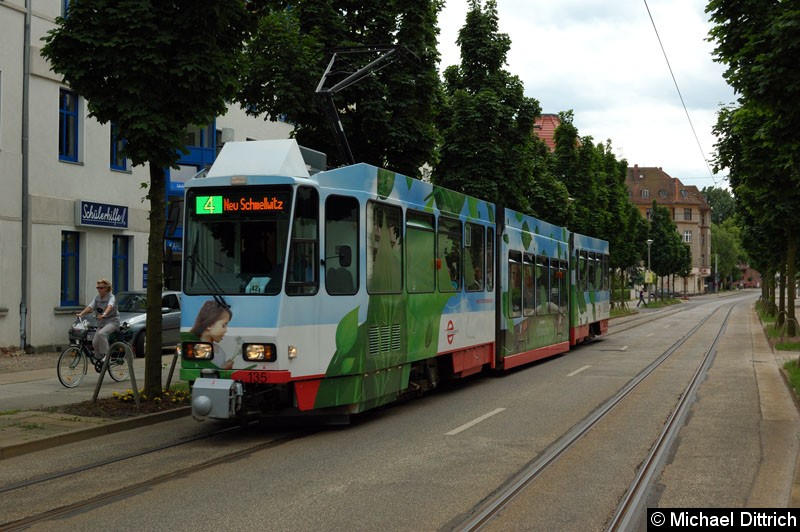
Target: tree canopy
{"type": "Point", "coordinates": [388, 116]}
{"type": "Point", "coordinates": [758, 42]}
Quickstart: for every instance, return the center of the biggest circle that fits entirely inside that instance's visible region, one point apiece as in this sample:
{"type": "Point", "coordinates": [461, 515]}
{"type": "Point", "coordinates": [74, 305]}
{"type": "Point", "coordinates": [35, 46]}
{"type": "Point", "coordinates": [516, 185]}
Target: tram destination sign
{"type": "Point", "coordinates": [242, 204]}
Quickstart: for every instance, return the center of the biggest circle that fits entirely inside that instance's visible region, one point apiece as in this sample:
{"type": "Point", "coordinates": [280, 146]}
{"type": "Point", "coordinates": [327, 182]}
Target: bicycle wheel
{"type": "Point", "coordinates": [71, 366]}
{"type": "Point", "coordinates": [118, 365]}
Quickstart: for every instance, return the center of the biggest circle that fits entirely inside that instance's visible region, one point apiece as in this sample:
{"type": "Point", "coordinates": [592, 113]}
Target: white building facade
{"type": "Point", "coordinates": [72, 211]}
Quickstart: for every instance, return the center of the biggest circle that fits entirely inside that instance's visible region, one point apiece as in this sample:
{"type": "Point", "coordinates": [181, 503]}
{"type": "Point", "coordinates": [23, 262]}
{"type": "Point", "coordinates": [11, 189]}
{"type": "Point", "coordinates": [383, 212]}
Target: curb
{"type": "Point", "coordinates": [92, 432]}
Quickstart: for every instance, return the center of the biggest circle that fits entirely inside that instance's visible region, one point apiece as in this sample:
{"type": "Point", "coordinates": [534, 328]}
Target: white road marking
{"type": "Point", "coordinates": [578, 371]}
{"type": "Point", "coordinates": [465, 426]}
{"type": "Point", "coordinates": [624, 348]}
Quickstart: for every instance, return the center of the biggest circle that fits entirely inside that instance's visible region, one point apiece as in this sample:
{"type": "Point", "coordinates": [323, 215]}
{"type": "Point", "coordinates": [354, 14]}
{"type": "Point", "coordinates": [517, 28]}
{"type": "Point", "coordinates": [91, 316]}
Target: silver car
{"type": "Point", "coordinates": [132, 308]}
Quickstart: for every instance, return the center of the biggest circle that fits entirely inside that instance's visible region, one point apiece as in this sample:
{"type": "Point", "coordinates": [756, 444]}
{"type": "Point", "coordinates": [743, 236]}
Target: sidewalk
{"type": "Point", "coordinates": [26, 427]}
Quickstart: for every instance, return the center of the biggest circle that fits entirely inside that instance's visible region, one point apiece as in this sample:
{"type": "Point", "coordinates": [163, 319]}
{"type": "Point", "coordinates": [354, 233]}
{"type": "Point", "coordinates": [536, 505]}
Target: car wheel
{"type": "Point", "coordinates": [139, 345]}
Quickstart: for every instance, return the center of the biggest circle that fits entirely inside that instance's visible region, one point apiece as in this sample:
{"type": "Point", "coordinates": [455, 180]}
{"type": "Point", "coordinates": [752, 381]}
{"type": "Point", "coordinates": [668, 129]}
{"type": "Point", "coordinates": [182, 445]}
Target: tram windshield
{"type": "Point", "coordinates": [236, 240]}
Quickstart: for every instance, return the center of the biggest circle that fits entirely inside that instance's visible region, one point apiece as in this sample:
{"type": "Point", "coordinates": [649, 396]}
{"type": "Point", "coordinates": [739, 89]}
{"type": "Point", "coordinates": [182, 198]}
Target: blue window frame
{"type": "Point", "coordinates": [119, 260]}
{"type": "Point", "coordinates": [117, 160]}
{"type": "Point", "coordinates": [68, 126]}
{"type": "Point", "coordinates": [64, 7]}
{"type": "Point", "coordinates": [70, 267]}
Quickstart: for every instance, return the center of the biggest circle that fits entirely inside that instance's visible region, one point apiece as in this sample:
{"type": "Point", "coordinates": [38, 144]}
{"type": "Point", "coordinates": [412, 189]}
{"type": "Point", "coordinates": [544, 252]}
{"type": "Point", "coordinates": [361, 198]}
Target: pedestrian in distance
{"type": "Point", "coordinates": [105, 304]}
{"type": "Point", "coordinates": [641, 299]}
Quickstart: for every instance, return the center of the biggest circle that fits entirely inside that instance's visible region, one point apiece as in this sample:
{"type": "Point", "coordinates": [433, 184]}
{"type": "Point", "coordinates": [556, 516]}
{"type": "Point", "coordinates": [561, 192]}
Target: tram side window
{"type": "Point", "coordinates": [583, 268]}
{"type": "Point", "coordinates": [558, 288]}
{"type": "Point", "coordinates": [420, 252]}
{"type": "Point", "coordinates": [529, 284]}
{"type": "Point", "coordinates": [606, 273]}
{"type": "Point", "coordinates": [591, 270]}
{"type": "Point", "coordinates": [473, 258]}
{"type": "Point", "coordinates": [543, 285]}
{"type": "Point", "coordinates": [489, 259]}
{"type": "Point", "coordinates": [341, 245]}
{"type": "Point", "coordinates": [514, 284]}
{"type": "Point", "coordinates": [384, 249]}
{"type": "Point", "coordinates": [302, 273]}
{"type": "Point", "coordinates": [449, 254]}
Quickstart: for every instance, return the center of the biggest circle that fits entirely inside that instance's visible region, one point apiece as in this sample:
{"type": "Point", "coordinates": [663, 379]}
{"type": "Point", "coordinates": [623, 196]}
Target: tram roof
{"type": "Point", "coordinates": [260, 157]}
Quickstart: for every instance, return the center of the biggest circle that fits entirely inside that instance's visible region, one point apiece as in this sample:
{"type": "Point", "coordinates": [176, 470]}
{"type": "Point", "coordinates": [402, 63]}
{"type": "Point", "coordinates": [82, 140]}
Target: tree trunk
{"type": "Point", "coordinates": [780, 320]}
{"type": "Point", "coordinates": [155, 262]}
{"type": "Point", "coordinates": [791, 270]}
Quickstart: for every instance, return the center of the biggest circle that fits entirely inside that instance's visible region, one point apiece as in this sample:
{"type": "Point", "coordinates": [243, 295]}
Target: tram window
{"type": "Point", "coordinates": [236, 252]}
{"type": "Point", "coordinates": [559, 284]}
{"type": "Point", "coordinates": [606, 278]}
{"type": "Point", "coordinates": [583, 265]}
{"type": "Point", "coordinates": [341, 231]}
{"type": "Point", "coordinates": [420, 252]}
{"type": "Point", "coordinates": [591, 271]}
{"type": "Point", "coordinates": [489, 258]}
{"type": "Point", "coordinates": [514, 284]}
{"type": "Point", "coordinates": [474, 257]}
{"type": "Point", "coordinates": [543, 285]}
{"type": "Point", "coordinates": [303, 268]}
{"type": "Point", "coordinates": [529, 284]}
{"type": "Point", "coordinates": [449, 254]}
{"type": "Point", "coordinates": [384, 249]}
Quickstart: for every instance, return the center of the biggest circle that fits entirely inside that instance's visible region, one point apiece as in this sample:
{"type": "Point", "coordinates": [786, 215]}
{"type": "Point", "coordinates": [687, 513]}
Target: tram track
{"type": "Point", "coordinates": [632, 503]}
{"type": "Point", "coordinates": [81, 503]}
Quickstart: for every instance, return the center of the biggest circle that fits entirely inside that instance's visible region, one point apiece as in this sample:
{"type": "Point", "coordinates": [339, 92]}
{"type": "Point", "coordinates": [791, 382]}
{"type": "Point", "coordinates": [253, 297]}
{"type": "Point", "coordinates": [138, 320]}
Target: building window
{"type": "Point", "coordinates": [70, 267]}
{"type": "Point", "coordinates": [687, 236]}
{"type": "Point", "coordinates": [684, 194]}
{"type": "Point", "coordinates": [645, 193]}
{"type": "Point", "coordinates": [662, 193]}
{"type": "Point", "coordinates": [119, 261]}
{"type": "Point", "coordinates": [687, 215]}
{"type": "Point", "coordinates": [68, 125]}
{"type": "Point", "coordinates": [64, 7]}
{"type": "Point", "coordinates": [117, 160]}
{"type": "Point", "coordinates": [649, 213]}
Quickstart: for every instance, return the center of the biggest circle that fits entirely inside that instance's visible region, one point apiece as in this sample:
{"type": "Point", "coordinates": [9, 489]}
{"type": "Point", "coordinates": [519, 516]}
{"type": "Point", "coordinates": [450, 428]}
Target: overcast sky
{"type": "Point", "coordinates": [602, 59]}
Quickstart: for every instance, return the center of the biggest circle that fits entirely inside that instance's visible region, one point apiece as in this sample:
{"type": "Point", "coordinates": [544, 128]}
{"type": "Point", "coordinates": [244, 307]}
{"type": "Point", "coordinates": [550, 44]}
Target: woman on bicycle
{"type": "Point", "coordinates": [105, 305]}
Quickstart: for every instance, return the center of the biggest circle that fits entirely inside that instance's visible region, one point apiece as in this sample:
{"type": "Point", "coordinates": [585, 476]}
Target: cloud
{"type": "Point", "coordinates": [604, 61]}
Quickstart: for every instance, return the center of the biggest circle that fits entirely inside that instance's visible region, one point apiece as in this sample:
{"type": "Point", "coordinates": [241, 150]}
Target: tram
{"type": "Point", "coordinates": [336, 292]}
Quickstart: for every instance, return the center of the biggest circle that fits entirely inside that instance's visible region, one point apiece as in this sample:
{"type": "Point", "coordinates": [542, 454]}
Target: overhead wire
{"type": "Point", "coordinates": [677, 88]}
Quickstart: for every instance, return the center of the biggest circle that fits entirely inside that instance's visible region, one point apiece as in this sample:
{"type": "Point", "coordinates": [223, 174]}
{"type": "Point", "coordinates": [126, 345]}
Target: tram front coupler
{"type": "Point", "coordinates": [216, 398]}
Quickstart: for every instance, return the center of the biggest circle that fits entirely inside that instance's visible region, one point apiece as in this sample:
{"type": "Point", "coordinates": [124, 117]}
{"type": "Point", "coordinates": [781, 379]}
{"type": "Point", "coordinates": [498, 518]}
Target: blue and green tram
{"type": "Point", "coordinates": [340, 291]}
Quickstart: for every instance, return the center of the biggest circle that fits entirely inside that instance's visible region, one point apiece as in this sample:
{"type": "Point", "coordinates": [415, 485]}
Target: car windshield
{"type": "Point", "coordinates": [130, 302]}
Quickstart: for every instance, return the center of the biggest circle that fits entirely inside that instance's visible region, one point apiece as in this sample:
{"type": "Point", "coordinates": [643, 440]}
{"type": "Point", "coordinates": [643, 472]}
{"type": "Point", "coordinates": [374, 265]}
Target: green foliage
{"type": "Point", "coordinates": [759, 41]}
{"type": "Point", "coordinates": [387, 116]}
{"type": "Point", "coordinates": [727, 250]}
{"type": "Point", "coordinates": [721, 202]}
{"type": "Point", "coordinates": [487, 124]}
{"type": "Point", "coordinates": [151, 67]}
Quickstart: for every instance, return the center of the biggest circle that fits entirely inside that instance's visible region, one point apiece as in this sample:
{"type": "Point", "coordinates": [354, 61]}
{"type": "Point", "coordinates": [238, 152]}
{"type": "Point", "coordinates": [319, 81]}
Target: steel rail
{"type": "Point", "coordinates": [485, 511]}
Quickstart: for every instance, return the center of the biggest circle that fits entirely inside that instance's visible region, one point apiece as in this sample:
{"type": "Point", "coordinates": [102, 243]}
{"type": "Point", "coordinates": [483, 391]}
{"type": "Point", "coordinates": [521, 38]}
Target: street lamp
{"type": "Point", "coordinates": [649, 243]}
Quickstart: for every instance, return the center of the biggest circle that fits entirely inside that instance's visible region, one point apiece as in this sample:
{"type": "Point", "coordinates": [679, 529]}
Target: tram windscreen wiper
{"type": "Point", "coordinates": [208, 280]}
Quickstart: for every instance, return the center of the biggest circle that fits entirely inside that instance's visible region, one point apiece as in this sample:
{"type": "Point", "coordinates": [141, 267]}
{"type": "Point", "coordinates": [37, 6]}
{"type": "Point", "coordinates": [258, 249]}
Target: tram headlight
{"type": "Point", "coordinates": [292, 352]}
{"type": "Point", "coordinates": [197, 351]}
{"type": "Point", "coordinates": [258, 352]}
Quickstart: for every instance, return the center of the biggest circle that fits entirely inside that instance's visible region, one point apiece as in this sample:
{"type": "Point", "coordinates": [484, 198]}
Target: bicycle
{"type": "Point", "coordinates": [74, 360]}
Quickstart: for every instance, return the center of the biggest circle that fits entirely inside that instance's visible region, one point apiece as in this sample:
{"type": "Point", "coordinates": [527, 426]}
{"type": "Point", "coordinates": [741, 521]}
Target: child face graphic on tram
{"type": "Point", "coordinates": [211, 325]}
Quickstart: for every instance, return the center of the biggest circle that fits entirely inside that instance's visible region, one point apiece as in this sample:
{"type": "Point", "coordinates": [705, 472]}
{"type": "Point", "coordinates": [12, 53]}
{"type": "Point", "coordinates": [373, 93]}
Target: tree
{"type": "Point", "coordinates": [488, 149]}
{"type": "Point", "coordinates": [726, 250]}
{"type": "Point", "coordinates": [721, 202]}
{"type": "Point", "coordinates": [759, 142]}
{"type": "Point", "coordinates": [388, 116]}
{"type": "Point", "coordinates": [666, 251]}
{"type": "Point", "coordinates": [152, 68]}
